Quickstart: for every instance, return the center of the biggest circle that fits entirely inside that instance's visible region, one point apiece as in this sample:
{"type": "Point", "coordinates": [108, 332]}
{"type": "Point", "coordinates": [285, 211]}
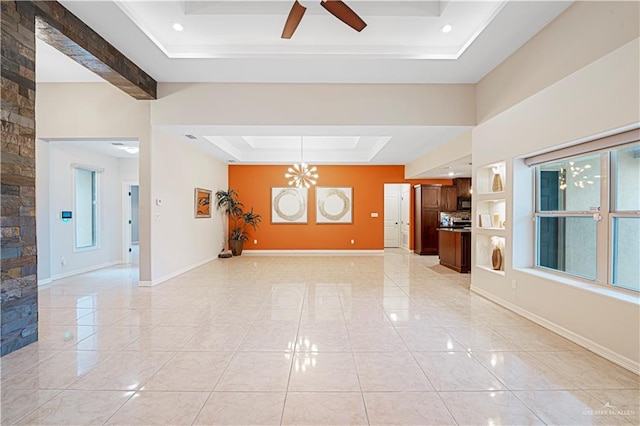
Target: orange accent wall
{"type": "Point", "coordinates": [254, 184]}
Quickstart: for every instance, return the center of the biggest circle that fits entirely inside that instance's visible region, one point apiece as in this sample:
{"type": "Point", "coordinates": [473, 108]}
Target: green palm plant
{"type": "Point", "coordinates": [234, 209]}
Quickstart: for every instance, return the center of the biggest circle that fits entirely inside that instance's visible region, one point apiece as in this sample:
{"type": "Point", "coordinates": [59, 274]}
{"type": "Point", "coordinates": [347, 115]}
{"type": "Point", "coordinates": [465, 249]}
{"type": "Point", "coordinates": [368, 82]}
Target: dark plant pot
{"type": "Point", "coordinates": [236, 247]}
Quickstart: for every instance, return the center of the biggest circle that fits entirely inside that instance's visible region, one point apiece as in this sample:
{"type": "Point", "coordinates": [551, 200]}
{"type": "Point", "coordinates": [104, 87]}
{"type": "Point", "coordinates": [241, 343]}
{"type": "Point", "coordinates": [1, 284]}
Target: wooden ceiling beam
{"type": "Point", "coordinates": [63, 30]}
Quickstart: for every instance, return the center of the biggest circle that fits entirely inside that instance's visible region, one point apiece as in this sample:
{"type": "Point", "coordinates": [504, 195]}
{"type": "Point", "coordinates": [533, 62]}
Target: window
{"type": "Point", "coordinates": [626, 218]}
{"type": "Point", "coordinates": [86, 201]}
{"type": "Point", "coordinates": [566, 230]}
{"type": "Point", "coordinates": [588, 214]}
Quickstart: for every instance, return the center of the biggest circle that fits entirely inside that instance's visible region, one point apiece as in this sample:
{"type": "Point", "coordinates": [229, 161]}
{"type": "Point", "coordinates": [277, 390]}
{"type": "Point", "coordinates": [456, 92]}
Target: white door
{"type": "Point", "coordinates": [391, 220]}
{"type": "Point", "coordinates": [405, 214]}
{"type": "Point", "coordinates": [126, 223]}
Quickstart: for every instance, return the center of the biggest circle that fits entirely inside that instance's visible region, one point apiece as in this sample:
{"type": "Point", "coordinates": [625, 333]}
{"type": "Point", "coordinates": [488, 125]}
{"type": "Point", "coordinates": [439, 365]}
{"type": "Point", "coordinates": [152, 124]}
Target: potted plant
{"type": "Point", "coordinates": [241, 220]}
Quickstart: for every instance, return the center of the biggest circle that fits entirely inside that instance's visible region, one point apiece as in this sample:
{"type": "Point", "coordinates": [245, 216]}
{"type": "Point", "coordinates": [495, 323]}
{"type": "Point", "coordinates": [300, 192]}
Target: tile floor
{"type": "Point", "coordinates": [393, 339]}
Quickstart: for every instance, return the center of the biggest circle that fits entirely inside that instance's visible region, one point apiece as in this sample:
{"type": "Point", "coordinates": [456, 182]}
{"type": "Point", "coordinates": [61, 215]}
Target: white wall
{"type": "Point", "coordinates": [61, 187]}
{"type": "Point", "coordinates": [42, 212]}
{"type": "Point", "coordinates": [100, 110]}
{"type": "Point", "coordinates": [586, 31]}
{"type": "Point", "coordinates": [597, 99]}
{"type": "Point", "coordinates": [180, 241]}
{"type": "Point", "coordinates": [315, 104]}
{"type": "Point", "coordinates": [454, 149]}
{"type": "Point", "coordinates": [128, 169]}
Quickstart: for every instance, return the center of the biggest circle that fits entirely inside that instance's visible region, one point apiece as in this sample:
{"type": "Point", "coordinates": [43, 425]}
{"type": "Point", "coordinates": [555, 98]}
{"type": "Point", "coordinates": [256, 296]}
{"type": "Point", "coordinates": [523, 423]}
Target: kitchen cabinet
{"type": "Point", "coordinates": [455, 249]}
{"type": "Point", "coordinates": [463, 186]}
{"type": "Point", "coordinates": [449, 199]}
{"type": "Point", "coordinates": [426, 218]}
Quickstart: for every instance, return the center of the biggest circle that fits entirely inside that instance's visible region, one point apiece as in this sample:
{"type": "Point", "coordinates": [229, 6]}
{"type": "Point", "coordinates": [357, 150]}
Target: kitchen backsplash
{"type": "Point", "coordinates": [447, 217]}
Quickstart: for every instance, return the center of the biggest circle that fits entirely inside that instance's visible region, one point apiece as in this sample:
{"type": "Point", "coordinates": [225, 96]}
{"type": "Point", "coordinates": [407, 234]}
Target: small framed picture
{"type": "Point", "coordinates": [334, 204]}
{"type": "Point", "coordinates": [484, 221]}
{"type": "Point", "coordinates": [202, 203]}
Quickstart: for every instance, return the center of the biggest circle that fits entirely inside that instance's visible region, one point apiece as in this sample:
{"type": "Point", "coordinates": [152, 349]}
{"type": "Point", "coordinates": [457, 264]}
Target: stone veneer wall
{"type": "Point", "coordinates": [19, 287]}
{"type": "Point", "coordinates": [63, 30]}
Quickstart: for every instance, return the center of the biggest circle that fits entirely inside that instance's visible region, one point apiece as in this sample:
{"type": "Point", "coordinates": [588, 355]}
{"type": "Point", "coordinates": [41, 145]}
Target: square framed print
{"type": "Point", "coordinates": [289, 205]}
{"type": "Point", "coordinates": [202, 203]}
{"type": "Point", "coordinates": [334, 204]}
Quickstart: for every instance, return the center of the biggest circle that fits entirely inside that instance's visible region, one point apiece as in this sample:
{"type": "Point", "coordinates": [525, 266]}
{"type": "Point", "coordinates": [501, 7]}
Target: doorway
{"type": "Point", "coordinates": [396, 215]}
{"type": "Point", "coordinates": [131, 227]}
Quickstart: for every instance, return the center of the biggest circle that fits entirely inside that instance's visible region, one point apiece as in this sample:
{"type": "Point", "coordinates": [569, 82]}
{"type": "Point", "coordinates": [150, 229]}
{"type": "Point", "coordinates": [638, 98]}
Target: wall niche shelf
{"type": "Point", "coordinates": [486, 268]}
{"type": "Point", "coordinates": [490, 220]}
{"type": "Point", "coordinates": [491, 179]}
{"type": "Point", "coordinates": [491, 214]}
{"type": "Point", "coordinates": [485, 258]}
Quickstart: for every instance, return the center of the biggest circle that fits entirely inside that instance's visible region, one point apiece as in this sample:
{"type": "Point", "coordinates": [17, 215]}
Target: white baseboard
{"type": "Point", "coordinates": [312, 252]}
{"type": "Point", "coordinates": [176, 273]}
{"type": "Point", "coordinates": [44, 281]}
{"type": "Point", "coordinates": [604, 352]}
{"type": "Point", "coordinates": [84, 270]}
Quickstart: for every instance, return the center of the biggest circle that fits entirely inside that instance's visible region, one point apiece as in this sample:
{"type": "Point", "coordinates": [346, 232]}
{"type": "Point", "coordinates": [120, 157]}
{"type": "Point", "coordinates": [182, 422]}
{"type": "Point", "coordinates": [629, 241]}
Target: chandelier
{"type": "Point", "coordinates": [301, 174]}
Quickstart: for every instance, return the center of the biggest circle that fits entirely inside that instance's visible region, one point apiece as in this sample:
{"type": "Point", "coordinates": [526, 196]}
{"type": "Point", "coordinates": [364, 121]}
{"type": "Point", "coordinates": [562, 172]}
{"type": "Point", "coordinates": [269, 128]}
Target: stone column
{"type": "Point", "coordinates": [19, 287]}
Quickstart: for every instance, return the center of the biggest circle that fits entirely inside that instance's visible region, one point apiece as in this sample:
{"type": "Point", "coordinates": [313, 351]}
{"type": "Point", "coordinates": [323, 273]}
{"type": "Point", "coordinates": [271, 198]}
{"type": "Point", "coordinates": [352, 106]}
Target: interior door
{"type": "Point", "coordinates": [405, 214]}
{"type": "Point", "coordinates": [391, 220]}
{"type": "Point", "coordinates": [126, 224]}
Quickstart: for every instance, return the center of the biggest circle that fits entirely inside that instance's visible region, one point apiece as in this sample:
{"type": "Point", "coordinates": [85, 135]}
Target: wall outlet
{"type": "Point", "coordinates": [63, 261]}
{"type": "Point", "coordinates": [255, 241]}
{"type": "Point", "coordinates": [353, 241]}
{"type": "Point", "coordinates": [374, 214]}
{"type": "Point", "coordinates": [514, 284]}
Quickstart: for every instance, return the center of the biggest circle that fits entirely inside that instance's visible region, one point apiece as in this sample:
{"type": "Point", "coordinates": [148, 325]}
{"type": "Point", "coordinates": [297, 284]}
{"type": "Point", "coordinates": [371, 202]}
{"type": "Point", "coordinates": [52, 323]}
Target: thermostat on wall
{"type": "Point", "coordinates": [65, 216]}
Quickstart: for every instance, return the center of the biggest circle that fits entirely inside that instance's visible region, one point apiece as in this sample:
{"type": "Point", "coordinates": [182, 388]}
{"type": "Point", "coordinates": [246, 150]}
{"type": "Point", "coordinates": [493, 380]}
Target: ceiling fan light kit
{"type": "Point", "coordinates": [335, 7]}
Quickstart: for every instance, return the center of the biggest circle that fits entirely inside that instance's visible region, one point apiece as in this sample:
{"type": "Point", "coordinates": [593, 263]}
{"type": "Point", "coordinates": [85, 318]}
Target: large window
{"type": "Point", "coordinates": [588, 215]}
{"type": "Point", "coordinates": [86, 212]}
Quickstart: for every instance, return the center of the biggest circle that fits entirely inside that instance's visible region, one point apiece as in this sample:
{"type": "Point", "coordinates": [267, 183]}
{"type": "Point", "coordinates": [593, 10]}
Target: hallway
{"type": "Point", "coordinates": [302, 340]}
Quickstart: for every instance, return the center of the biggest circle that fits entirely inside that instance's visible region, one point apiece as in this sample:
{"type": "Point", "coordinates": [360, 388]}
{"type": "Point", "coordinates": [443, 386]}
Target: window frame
{"type": "Point", "coordinates": [614, 213]}
{"type": "Point", "coordinates": [96, 207]}
{"type": "Point", "coordinates": [605, 244]}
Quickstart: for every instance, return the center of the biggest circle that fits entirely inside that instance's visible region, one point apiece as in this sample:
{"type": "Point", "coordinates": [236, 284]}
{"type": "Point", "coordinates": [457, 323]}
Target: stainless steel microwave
{"type": "Point", "coordinates": [464, 203]}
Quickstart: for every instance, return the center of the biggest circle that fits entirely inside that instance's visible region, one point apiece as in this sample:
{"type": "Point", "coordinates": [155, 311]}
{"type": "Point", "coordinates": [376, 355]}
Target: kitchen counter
{"type": "Point", "coordinates": [452, 229]}
{"type": "Point", "coordinates": [454, 248]}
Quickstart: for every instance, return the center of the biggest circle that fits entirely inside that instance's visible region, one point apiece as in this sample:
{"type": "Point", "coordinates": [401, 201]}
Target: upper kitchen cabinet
{"type": "Point", "coordinates": [464, 187]}
{"type": "Point", "coordinates": [449, 199]}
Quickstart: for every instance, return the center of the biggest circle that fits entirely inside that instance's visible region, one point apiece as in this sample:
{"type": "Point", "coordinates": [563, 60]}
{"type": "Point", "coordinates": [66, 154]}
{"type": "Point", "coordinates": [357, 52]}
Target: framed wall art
{"type": "Point", "coordinates": [202, 203]}
{"type": "Point", "coordinates": [334, 204]}
{"type": "Point", "coordinates": [288, 205]}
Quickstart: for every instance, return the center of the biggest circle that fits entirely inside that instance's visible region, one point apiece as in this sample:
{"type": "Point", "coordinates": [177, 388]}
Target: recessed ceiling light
{"type": "Point", "coordinates": [178, 26]}
{"type": "Point", "coordinates": [447, 28]}
{"type": "Point", "coordinates": [131, 149]}
{"type": "Point", "coordinates": [451, 174]}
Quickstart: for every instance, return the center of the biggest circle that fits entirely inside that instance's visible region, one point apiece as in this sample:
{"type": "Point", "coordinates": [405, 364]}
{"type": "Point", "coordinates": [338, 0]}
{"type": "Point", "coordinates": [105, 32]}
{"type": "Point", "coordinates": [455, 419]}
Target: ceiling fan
{"type": "Point", "coordinates": [335, 7]}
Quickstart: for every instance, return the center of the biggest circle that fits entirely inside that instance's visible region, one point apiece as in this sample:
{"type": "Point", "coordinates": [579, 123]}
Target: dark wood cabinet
{"type": "Point", "coordinates": [449, 199]}
{"type": "Point", "coordinates": [455, 250]}
{"type": "Point", "coordinates": [426, 218]}
{"type": "Point", "coordinates": [464, 187]}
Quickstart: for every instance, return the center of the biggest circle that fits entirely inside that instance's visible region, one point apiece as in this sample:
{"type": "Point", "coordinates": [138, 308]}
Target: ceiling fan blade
{"type": "Point", "coordinates": [344, 13]}
{"type": "Point", "coordinates": [294, 18]}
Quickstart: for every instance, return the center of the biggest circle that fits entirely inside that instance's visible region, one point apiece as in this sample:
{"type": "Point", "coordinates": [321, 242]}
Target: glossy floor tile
{"type": "Point", "coordinates": [392, 339]}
